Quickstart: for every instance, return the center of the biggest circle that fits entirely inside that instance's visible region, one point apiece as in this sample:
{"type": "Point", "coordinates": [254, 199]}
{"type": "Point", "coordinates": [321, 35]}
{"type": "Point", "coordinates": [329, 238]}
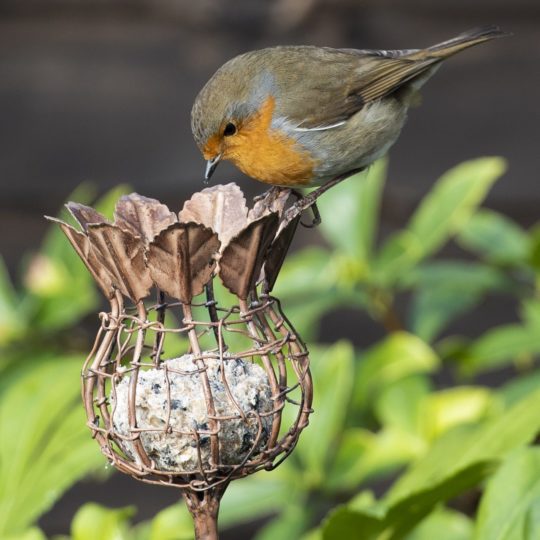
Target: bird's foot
{"type": "Point", "coordinates": [273, 200]}
{"type": "Point", "coordinates": [269, 195]}
{"type": "Point", "coordinates": [310, 200]}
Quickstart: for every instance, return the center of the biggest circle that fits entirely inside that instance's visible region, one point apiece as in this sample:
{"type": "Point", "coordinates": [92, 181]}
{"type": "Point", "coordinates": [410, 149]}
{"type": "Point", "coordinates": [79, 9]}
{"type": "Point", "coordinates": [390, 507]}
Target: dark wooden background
{"type": "Point", "coordinates": [101, 91]}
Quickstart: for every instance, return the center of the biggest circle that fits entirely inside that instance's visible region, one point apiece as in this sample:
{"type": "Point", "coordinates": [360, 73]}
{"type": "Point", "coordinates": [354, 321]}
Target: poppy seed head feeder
{"type": "Point", "coordinates": [216, 411]}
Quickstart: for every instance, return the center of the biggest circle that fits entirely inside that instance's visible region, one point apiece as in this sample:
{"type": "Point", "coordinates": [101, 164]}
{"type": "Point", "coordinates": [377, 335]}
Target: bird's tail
{"type": "Point", "coordinates": [405, 72]}
{"type": "Point", "coordinates": [463, 41]}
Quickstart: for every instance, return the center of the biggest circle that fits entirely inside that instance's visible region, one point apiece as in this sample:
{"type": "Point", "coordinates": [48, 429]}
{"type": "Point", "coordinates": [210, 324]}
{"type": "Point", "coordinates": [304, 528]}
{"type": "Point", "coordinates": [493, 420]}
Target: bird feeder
{"type": "Point", "coordinates": [196, 377]}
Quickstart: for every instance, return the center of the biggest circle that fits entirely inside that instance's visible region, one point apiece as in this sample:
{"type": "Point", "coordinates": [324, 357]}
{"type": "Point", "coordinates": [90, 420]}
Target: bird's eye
{"type": "Point", "coordinates": [230, 129]}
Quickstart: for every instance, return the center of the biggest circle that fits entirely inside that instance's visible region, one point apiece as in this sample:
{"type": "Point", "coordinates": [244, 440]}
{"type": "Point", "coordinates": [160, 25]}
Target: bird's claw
{"type": "Point", "coordinates": [299, 207]}
{"type": "Point", "coordinates": [268, 196]}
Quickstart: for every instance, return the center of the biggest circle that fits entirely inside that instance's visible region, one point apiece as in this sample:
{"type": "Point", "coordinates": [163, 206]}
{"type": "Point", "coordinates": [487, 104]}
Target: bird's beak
{"type": "Point", "coordinates": [211, 165]}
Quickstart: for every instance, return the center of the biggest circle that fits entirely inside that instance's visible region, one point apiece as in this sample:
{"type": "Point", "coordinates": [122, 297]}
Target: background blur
{"type": "Point", "coordinates": [101, 91]}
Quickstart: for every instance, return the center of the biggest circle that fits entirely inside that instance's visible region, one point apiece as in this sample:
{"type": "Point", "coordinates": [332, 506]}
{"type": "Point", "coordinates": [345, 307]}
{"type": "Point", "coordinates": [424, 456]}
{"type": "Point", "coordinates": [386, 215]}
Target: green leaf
{"type": "Point", "coordinates": [459, 460]}
{"type": "Point", "coordinates": [411, 417]}
{"type": "Point", "coordinates": [398, 356]}
{"type": "Point", "coordinates": [392, 522]}
{"type": "Point", "coordinates": [443, 213]}
{"type": "Point", "coordinates": [399, 405]}
{"type": "Point", "coordinates": [344, 522]}
{"type": "Point", "coordinates": [38, 463]}
{"type": "Point", "coordinates": [510, 506]}
{"type": "Point", "coordinates": [313, 282]}
{"type": "Point", "coordinates": [443, 524]}
{"type": "Point", "coordinates": [518, 388]}
{"type": "Point", "coordinates": [364, 455]}
{"type": "Point", "coordinates": [534, 237]}
{"type": "Point", "coordinates": [404, 515]}
{"type": "Point", "coordinates": [530, 311]}
{"type": "Point", "coordinates": [30, 534]}
{"type": "Point", "coordinates": [500, 346]}
{"type": "Point", "coordinates": [470, 445]}
{"type": "Point", "coordinates": [332, 372]}
{"type": "Point", "coordinates": [441, 411]}
{"type": "Point", "coordinates": [173, 523]}
{"type": "Point", "coordinates": [449, 205]}
{"type": "Point", "coordinates": [93, 521]}
{"type": "Point", "coordinates": [289, 525]}
{"type": "Point", "coordinates": [12, 324]}
{"type": "Point", "coordinates": [313, 534]}
{"type": "Point", "coordinates": [141, 531]}
{"type": "Point", "coordinates": [354, 204]}
{"type": "Point", "coordinates": [304, 272]}
{"type": "Point", "coordinates": [306, 286]}
{"type": "Point", "coordinates": [444, 290]}
{"type": "Point", "coordinates": [256, 496]}
{"type": "Point", "coordinates": [495, 237]}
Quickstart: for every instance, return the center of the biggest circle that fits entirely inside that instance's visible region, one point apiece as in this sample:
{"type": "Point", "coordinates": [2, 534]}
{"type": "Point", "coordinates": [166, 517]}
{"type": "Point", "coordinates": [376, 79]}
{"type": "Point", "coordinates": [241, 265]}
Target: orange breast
{"type": "Point", "coordinates": [269, 155]}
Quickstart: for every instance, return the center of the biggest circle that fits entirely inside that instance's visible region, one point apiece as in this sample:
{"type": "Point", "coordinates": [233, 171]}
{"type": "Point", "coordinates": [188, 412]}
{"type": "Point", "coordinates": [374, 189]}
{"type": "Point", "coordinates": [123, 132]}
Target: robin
{"type": "Point", "coordinates": [302, 116]}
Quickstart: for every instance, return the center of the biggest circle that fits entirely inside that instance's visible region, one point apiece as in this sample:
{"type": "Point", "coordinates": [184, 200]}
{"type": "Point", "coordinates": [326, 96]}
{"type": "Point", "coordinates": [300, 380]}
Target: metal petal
{"type": "Point", "coordinates": [142, 216]}
{"type": "Point", "coordinates": [122, 255]}
{"type": "Point", "coordinates": [277, 252]}
{"type": "Point", "coordinates": [81, 244]}
{"type": "Point", "coordinates": [85, 215]}
{"type": "Point", "coordinates": [181, 259]}
{"type": "Point", "coordinates": [221, 208]}
{"type": "Point", "coordinates": [242, 259]}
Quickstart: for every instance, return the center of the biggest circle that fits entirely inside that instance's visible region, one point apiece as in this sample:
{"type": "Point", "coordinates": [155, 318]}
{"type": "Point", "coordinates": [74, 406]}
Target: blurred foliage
{"type": "Point", "coordinates": [44, 442]}
{"type": "Point", "coordinates": [406, 435]}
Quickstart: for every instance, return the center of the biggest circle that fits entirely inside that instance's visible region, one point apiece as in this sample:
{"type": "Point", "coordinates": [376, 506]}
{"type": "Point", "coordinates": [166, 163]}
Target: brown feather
{"type": "Point", "coordinates": [373, 75]}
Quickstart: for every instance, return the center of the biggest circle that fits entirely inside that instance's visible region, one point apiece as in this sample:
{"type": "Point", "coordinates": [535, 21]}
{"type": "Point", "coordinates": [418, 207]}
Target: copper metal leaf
{"type": "Point", "coordinates": [123, 256]}
{"type": "Point", "coordinates": [221, 208]}
{"type": "Point", "coordinates": [277, 252]}
{"type": "Point", "coordinates": [182, 258]}
{"type": "Point", "coordinates": [85, 215]}
{"type": "Point", "coordinates": [81, 244]}
{"type": "Point", "coordinates": [242, 259]}
{"type": "Point", "coordinates": [142, 216]}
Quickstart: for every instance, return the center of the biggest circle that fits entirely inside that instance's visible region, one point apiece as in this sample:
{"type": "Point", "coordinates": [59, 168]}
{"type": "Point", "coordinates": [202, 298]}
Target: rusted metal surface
{"type": "Point", "coordinates": [244, 256]}
{"type": "Point", "coordinates": [181, 259]}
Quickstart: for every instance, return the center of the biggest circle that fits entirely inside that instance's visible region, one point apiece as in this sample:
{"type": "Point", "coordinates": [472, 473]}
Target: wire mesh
{"type": "Point", "coordinates": [130, 342]}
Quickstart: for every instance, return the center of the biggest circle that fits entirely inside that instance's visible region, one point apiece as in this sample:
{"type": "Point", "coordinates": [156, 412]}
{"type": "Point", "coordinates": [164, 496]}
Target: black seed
{"type": "Point", "coordinates": [246, 442]}
{"type": "Point", "coordinates": [204, 440]}
{"type": "Point", "coordinates": [176, 404]}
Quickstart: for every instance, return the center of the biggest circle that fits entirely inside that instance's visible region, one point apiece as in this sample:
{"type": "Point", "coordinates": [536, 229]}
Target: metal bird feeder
{"type": "Point", "coordinates": [182, 389]}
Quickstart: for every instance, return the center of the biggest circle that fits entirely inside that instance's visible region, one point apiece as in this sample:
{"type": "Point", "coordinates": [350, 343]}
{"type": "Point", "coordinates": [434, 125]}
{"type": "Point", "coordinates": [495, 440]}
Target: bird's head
{"type": "Point", "coordinates": [232, 114]}
{"type": "Point", "coordinates": [238, 116]}
{"type": "Point", "coordinates": [232, 119]}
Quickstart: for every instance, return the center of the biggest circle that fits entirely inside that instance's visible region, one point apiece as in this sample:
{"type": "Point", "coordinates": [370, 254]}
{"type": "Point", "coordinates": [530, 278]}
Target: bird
{"type": "Point", "coordinates": [307, 116]}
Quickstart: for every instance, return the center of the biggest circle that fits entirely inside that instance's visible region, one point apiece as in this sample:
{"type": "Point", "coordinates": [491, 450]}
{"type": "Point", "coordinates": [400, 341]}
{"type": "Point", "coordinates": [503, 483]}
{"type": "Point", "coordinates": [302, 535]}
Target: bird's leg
{"type": "Point", "coordinates": [310, 199]}
{"type": "Point", "coordinates": [316, 221]}
{"type": "Point", "coordinates": [314, 208]}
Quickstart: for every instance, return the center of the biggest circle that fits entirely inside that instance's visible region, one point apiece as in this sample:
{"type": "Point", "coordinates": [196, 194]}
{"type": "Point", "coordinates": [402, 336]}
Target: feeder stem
{"type": "Point", "coordinates": [204, 509]}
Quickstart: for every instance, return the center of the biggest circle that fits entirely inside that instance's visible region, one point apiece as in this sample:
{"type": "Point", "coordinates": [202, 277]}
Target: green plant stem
{"type": "Point", "coordinates": [390, 320]}
{"type": "Point", "coordinates": [384, 312]}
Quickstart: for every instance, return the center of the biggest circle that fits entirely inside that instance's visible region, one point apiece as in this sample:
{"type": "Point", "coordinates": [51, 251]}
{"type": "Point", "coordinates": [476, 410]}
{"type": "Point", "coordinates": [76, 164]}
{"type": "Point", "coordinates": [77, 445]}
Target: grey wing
{"type": "Point", "coordinates": [366, 75]}
{"type": "Point", "coordinates": [343, 81]}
